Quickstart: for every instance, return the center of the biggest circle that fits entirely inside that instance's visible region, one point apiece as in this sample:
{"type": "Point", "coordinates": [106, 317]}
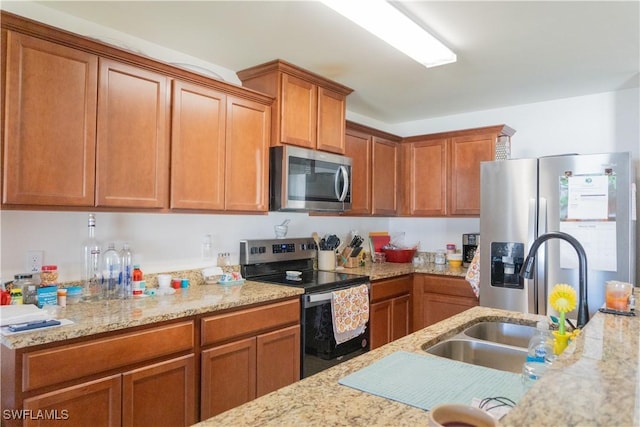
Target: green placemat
{"type": "Point", "coordinates": [426, 381]}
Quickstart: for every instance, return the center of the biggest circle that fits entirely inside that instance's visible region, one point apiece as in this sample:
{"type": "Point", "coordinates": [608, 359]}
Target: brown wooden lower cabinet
{"type": "Point", "coordinates": [149, 376]}
{"type": "Point", "coordinates": [250, 353]}
{"type": "Point", "coordinates": [438, 297]}
{"type": "Point", "coordinates": [159, 394]}
{"type": "Point", "coordinates": [238, 372]}
{"type": "Point", "coordinates": [95, 403]}
{"type": "Point", "coordinates": [390, 312]}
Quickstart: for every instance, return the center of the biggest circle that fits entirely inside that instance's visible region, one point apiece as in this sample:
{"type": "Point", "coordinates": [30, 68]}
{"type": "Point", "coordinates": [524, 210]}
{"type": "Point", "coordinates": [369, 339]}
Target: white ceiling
{"type": "Point", "coordinates": [509, 52]}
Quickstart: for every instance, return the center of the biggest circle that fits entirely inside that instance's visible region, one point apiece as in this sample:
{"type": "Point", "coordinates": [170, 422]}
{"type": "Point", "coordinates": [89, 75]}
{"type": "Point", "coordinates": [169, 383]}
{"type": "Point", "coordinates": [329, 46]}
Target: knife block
{"type": "Point", "coordinates": [352, 262]}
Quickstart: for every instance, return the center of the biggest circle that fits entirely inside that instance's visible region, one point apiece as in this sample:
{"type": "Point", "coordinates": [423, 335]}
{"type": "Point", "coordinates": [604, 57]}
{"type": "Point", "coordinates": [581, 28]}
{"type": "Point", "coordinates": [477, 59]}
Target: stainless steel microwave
{"type": "Point", "coordinates": [307, 180]}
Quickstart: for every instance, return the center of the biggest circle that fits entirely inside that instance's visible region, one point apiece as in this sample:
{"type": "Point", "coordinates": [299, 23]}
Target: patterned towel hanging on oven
{"type": "Point", "coordinates": [350, 312]}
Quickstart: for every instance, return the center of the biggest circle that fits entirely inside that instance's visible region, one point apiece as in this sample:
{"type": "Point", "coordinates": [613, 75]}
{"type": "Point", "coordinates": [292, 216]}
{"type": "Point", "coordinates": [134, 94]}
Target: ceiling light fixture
{"type": "Point", "coordinates": [389, 24]}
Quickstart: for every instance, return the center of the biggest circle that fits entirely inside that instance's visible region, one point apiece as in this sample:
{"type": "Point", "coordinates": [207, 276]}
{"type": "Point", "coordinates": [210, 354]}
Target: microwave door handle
{"type": "Point", "coordinates": [341, 194]}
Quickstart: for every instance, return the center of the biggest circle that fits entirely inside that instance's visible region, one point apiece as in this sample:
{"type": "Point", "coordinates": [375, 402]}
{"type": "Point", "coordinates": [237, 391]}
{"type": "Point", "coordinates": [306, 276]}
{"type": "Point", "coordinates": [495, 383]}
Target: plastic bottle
{"type": "Point", "coordinates": [126, 288]}
{"type": "Point", "coordinates": [111, 272]}
{"type": "Point", "coordinates": [138, 284]}
{"type": "Point", "coordinates": [541, 344]}
{"type": "Point", "coordinates": [91, 263]}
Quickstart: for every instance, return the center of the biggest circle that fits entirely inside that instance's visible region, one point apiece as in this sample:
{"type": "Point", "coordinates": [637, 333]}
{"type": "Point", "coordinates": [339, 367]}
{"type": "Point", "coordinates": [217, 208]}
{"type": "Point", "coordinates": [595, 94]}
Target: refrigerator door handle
{"type": "Point", "coordinates": [541, 274]}
{"type": "Point", "coordinates": [531, 285]}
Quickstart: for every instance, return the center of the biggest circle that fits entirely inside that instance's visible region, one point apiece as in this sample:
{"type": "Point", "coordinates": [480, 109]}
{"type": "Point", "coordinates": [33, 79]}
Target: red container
{"type": "Point", "coordinates": [399, 255]}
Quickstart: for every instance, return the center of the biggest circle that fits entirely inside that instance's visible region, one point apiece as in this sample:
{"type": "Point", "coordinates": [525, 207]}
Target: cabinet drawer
{"type": "Point", "coordinates": [456, 286]}
{"type": "Point", "coordinates": [388, 288]}
{"type": "Point", "coordinates": [68, 362]}
{"type": "Point", "coordinates": [250, 321]}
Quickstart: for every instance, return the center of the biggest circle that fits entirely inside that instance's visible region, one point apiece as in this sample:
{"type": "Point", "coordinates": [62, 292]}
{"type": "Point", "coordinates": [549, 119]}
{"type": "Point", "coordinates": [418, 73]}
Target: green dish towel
{"type": "Point", "coordinates": [427, 381]}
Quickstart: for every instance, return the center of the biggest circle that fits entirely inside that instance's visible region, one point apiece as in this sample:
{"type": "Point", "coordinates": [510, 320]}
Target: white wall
{"type": "Point", "coordinates": [588, 124]}
{"type": "Point", "coordinates": [160, 242]}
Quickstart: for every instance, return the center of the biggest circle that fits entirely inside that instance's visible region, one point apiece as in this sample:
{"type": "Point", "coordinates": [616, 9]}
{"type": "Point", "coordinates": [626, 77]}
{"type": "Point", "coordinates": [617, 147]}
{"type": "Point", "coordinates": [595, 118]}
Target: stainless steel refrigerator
{"type": "Point", "coordinates": [591, 197]}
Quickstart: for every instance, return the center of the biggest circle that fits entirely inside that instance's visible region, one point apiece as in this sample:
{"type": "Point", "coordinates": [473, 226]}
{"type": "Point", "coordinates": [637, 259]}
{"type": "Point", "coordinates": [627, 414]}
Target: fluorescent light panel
{"type": "Point", "coordinates": [388, 23]}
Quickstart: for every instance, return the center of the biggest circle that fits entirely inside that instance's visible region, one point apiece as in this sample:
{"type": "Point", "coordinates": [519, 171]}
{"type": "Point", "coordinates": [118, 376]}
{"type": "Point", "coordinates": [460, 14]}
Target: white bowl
{"type": "Point", "coordinates": [292, 273]}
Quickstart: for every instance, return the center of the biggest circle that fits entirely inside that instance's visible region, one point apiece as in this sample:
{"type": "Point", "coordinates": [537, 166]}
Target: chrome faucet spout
{"type": "Point", "coordinates": [527, 269]}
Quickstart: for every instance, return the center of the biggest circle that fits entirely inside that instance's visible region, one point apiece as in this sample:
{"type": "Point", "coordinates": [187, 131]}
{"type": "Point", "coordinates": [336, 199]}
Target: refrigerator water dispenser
{"type": "Point", "coordinates": [506, 262]}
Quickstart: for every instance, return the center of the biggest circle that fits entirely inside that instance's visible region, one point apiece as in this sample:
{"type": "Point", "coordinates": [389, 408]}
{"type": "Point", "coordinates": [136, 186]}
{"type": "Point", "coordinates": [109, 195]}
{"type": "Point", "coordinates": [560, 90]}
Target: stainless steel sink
{"type": "Point", "coordinates": [502, 333]}
{"type": "Point", "coordinates": [481, 353]}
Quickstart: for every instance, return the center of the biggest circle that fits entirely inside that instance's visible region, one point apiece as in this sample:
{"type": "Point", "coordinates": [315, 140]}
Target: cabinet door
{"type": "Point", "coordinates": [426, 185]}
{"type": "Point", "coordinates": [400, 312]}
{"type": "Point", "coordinates": [358, 147]}
{"type": "Point", "coordinates": [384, 177]}
{"type": "Point", "coordinates": [133, 137]}
{"type": "Point", "coordinates": [94, 403]}
{"type": "Point", "coordinates": [247, 155]}
{"type": "Point", "coordinates": [228, 377]}
{"type": "Point", "coordinates": [466, 154]}
{"type": "Point", "coordinates": [197, 147]}
{"type": "Point", "coordinates": [299, 106]}
{"type": "Point", "coordinates": [160, 394]}
{"type": "Point", "coordinates": [437, 307]}
{"type": "Point", "coordinates": [278, 359]}
{"type": "Point", "coordinates": [331, 121]}
{"type": "Point", "coordinates": [380, 323]}
{"type": "Point", "coordinates": [50, 120]}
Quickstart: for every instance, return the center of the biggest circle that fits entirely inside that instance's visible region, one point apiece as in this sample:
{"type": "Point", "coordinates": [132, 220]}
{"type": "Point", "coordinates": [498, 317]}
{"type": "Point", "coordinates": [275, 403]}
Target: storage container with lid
{"type": "Point", "coordinates": [49, 275]}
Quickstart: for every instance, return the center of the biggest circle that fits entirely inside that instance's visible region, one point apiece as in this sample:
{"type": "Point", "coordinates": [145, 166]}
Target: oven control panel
{"type": "Point", "coordinates": [270, 250]}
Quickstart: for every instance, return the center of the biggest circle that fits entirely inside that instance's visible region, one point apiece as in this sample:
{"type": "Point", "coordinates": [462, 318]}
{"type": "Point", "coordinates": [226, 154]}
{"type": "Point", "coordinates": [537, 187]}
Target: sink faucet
{"type": "Point", "coordinates": [527, 269]}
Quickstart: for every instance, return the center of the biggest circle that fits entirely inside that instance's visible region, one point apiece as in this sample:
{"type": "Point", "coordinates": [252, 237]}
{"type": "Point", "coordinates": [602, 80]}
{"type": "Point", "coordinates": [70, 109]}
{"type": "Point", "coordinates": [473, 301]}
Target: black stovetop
{"type": "Point", "coordinates": [313, 281]}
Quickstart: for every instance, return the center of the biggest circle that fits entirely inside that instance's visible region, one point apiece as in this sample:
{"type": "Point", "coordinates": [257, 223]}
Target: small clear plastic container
{"type": "Point", "coordinates": [74, 294]}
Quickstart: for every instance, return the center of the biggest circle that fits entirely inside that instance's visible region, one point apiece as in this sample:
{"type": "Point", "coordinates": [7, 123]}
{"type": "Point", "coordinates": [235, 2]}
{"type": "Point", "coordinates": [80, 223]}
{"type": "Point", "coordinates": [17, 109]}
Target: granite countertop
{"type": "Point", "coordinates": [594, 382]}
{"type": "Point", "coordinates": [389, 269]}
{"type": "Point", "coordinates": [102, 316]}
{"type": "Point", "coordinates": [91, 318]}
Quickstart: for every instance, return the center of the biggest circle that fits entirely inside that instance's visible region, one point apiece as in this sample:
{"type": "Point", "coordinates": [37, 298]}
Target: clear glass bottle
{"type": "Point", "coordinates": [91, 263]}
{"type": "Point", "coordinates": [126, 288]}
{"type": "Point", "coordinates": [111, 272]}
{"type": "Point", "coordinates": [207, 248]}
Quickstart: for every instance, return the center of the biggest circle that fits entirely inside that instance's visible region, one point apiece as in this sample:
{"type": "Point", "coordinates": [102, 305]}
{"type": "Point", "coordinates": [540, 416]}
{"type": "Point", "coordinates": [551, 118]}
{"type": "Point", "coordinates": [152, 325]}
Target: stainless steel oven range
{"type": "Point", "coordinates": [269, 261]}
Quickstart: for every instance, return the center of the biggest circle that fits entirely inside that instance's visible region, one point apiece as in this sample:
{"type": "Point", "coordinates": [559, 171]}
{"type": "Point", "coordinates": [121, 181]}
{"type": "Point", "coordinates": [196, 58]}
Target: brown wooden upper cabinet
{"type": "Point", "coordinates": [219, 150]}
{"type": "Point", "coordinates": [309, 110]}
{"type": "Point", "coordinates": [441, 172]}
{"type": "Point", "coordinates": [133, 137]}
{"type": "Point", "coordinates": [91, 125]}
{"type": "Point", "coordinates": [51, 96]}
{"type": "Point", "coordinates": [374, 168]}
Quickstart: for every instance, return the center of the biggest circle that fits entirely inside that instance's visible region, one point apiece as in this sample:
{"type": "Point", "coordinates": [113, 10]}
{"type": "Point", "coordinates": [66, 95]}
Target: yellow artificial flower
{"type": "Point", "coordinates": [563, 298]}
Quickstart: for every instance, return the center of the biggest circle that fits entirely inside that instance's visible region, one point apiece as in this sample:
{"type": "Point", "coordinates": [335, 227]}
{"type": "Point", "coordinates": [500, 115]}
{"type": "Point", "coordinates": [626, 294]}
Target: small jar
{"type": "Point", "coordinates": [62, 297]}
{"type": "Point", "coordinates": [49, 275]}
{"type": "Point", "coordinates": [451, 248]}
{"type": "Point", "coordinates": [440, 257]}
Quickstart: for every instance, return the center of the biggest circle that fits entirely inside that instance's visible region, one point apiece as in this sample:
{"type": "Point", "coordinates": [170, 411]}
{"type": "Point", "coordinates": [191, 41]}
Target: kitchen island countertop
{"type": "Point", "coordinates": [594, 382]}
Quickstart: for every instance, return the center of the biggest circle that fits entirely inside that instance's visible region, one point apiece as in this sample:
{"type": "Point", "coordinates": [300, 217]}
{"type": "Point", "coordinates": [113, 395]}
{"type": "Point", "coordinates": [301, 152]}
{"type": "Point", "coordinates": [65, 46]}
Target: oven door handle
{"type": "Point", "coordinates": [318, 298]}
{"type": "Point", "coordinates": [310, 300]}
